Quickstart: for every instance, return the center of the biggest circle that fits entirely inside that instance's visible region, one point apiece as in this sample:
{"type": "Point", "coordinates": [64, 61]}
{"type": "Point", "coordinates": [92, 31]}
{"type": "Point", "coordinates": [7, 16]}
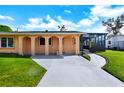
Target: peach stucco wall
{"type": "Point", "coordinates": [54, 47]}
{"type": "Point", "coordinates": [26, 46]}
{"type": "Point", "coordinates": [10, 50]}
{"type": "Point", "coordinates": [69, 45]}
{"type": "Point", "coordinates": [39, 49]}
{"type": "Point", "coordinates": [62, 44]}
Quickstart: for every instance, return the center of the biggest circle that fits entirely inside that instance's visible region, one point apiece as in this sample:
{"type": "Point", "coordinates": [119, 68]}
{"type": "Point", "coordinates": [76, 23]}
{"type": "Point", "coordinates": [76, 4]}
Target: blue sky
{"type": "Point", "coordinates": [86, 18]}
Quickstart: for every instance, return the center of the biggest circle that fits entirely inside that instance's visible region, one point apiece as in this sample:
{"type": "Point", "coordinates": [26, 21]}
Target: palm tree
{"type": "Point", "coordinates": [62, 28]}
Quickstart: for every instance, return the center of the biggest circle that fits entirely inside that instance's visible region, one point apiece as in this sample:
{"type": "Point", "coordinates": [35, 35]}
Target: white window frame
{"type": "Point", "coordinates": [6, 42]}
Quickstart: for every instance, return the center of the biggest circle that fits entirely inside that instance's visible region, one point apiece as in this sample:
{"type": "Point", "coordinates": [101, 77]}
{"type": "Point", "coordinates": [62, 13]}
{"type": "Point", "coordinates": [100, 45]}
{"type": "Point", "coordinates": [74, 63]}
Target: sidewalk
{"type": "Point", "coordinates": [96, 59]}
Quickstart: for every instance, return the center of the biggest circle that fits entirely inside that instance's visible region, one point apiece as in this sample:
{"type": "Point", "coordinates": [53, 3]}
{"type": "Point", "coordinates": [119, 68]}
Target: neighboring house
{"type": "Point", "coordinates": [115, 42]}
{"type": "Point", "coordinates": [93, 41]}
{"type": "Point", "coordinates": [40, 42]}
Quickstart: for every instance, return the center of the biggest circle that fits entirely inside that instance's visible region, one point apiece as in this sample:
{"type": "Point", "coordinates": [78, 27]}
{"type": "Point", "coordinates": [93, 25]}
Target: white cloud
{"type": "Point", "coordinates": [107, 11]}
{"type": "Point", "coordinates": [52, 24]}
{"type": "Point", "coordinates": [96, 29]}
{"type": "Point", "coordinates": [87, 25]}
{"type": "Point", "coordinates": [100, 11]}
{"type": "Point", "coordinates": [48, 17]}
{"type": "Point", "coordinates": [6, 18]}
{"type": "Point", "coordinates": [88, 21]}
{"type": "Point", "coordinates": [38, 23]}
{"type": "Point", "coordinates": [35, 20]}
{"type": "Point", "coordinates": [122, 30]}
{"type": "Point", "coordinates": [69, 24]}
{"type": "Point", "coordinates": [67, 11]}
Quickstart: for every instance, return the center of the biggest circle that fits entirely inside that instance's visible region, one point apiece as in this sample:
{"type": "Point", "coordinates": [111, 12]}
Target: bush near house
{"type": "Point", "coordinates": [19, 71]}
{"type": "Point", "coordinates": [115, 64]}
{"type": "Point", "coordinates": [86, 56]}
{"type": "Point", "coordinates": [4, 28]}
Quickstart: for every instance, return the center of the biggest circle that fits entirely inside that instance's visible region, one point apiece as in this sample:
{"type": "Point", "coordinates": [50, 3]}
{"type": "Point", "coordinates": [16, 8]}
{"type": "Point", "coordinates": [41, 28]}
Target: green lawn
{"type": "Point", "coordinates": [19, 71]}
{"type": "Point", "coordinates": [85, 55]}
{"type": "Point", "coordinates": [115, 63]}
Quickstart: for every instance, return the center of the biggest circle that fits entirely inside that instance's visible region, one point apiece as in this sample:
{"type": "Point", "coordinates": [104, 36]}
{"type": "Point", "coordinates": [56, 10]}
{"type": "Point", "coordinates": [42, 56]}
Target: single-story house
{"type": "Point", "coordinates": [115, 42]}
{"type": "Point", "coordinates": [40, 42]}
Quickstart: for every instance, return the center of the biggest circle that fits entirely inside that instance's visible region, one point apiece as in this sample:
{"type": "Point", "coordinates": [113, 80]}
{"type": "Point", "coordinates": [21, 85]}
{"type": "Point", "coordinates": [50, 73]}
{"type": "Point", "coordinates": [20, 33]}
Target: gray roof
{"type": "Point", "coordinates": [49, 32]}
{"type": "Point", "coordinates": [42, 32]}
{"type": "Point", "coordinates": [98, 33]}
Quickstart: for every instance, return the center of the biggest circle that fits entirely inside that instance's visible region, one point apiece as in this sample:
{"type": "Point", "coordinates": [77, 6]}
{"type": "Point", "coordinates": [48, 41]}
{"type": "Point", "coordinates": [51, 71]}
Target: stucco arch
{"type": "Point", "coordinates": [26, 45]}
{"type": "Point", "coordinates": [54, 46]}
{"type": "Point", "coordinates": [69, 45]}
{"type": "Point", "coordinates": [39, 49]}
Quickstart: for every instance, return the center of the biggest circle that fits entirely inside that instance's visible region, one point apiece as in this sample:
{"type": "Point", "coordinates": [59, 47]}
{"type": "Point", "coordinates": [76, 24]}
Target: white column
{"type": "Point", "coordinates": [60, 45]}
{"type": "Point", "coordinates": [32, 46]}
{"type": "Point", "coordinates": [46, 45]}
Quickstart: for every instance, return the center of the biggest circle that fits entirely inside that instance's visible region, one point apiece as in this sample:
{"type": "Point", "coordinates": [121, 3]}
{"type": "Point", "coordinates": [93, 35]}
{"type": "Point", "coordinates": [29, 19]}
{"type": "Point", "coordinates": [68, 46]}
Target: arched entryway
{"type": "Point", "coordinates": [53, 45]}
{"type": "Point", "coordinates": [40, 45]}
{"type": "Point", "coordinates": [27, 46]}
{"type": "Point", "coordinates": [69, 45]}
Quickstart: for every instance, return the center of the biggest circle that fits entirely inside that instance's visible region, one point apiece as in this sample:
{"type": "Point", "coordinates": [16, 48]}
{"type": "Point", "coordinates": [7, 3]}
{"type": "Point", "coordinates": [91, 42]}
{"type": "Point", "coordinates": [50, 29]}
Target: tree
{"type": "Point", "coordinates": [114, 24]}
{"type": "Point", "coordinates": [4, 28]}
{"type": "Point", "coordinates": [62, 28]}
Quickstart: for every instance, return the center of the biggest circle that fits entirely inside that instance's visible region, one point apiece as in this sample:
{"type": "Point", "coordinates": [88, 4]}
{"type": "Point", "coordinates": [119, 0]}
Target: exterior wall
{"type": "Point", "coordinates": [39, 49]}
{"type": "Point", "coordinates": [116, 41]}
{"type": "Point", "coordinates": [54, 47]}
{"type": "Point", "coordinates": [26, 46]}
{"type": "Point", "coordinates": [69, 45]}
{"type": "Point", "coordinates": [30, 45]}
{"type": "Point", "coordinates": [110, 45]}
{"type": "Point", "coordinates": [10, 50]}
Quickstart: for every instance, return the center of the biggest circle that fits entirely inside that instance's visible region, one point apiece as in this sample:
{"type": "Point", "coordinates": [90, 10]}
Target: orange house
{"type": "Point", "coordinates": [40, 42]}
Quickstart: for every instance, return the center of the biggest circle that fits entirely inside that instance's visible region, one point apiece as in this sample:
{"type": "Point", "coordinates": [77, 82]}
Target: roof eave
{"type": "Point", "coordinates": [36, 33]}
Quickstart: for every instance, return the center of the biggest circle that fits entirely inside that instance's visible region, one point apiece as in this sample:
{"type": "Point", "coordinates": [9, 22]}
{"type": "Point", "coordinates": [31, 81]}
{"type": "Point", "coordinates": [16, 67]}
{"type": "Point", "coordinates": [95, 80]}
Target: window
{"type": "Point", "coordinates": [50, 40]}
{"type": "Point", "coordinates": [6, 42]}
{"type": "Point", "coordinates": [109, 42]}
{"type": "Point", "coordinates": [42, 41]}
{"type": "Point", "coordinates": [3, 42]}
{"type": "Point", "coordinates": [10, 42]}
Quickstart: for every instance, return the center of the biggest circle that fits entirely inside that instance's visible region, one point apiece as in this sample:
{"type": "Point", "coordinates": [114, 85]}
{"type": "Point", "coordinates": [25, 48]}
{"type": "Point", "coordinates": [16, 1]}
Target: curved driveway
{"type": "Point", "coordinates": [73, 71]}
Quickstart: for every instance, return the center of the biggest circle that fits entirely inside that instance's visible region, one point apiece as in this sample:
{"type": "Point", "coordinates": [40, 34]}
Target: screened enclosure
{"type": "Point", "coordinates": [93, 41]}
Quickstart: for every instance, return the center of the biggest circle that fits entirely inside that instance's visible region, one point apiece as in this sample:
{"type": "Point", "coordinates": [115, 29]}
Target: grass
{"type": "Point", "coordinates": [85, 55]}
{"type": "Point", "coordinates": [19, 71]}
{"type": "Point", "coordinates": [115, 64]}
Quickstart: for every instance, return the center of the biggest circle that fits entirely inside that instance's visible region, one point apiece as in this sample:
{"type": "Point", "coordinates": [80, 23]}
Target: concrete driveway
{"type": "Point", "coordinates": [73, 71]}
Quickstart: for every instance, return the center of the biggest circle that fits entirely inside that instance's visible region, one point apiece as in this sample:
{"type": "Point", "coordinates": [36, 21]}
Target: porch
{"type": "Point", "coordinates": [48, 45]}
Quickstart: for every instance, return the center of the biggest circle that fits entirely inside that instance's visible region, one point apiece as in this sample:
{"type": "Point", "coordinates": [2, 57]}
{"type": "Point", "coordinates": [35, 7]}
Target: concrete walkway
{"type": "Point", "coordinates": [74, 71]}
{"type": "Point", "coordinates": [96, 59]}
